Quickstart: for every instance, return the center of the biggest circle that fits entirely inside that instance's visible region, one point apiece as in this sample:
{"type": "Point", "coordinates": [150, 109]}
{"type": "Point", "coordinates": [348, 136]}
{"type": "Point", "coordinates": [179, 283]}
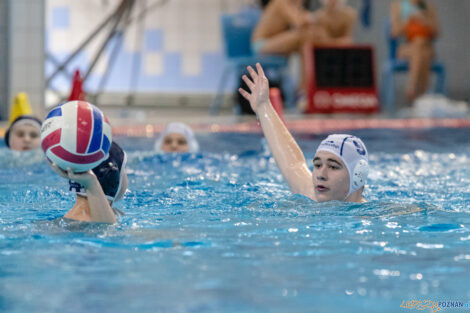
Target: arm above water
{"type": "Point", "coordinates": [286, 151]}
{"type": "Point", "coordinates": [100, 209]}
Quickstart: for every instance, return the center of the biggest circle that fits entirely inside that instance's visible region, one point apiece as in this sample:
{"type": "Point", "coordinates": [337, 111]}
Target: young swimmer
{"type": "Point", "coordinates": [340, 162]}
{"type": "Point", "coordinates": [24, 133]}
{"type": "Point", "coordinates": [177, 137]}
{"type": "Point", "coordinates": [98, 189]}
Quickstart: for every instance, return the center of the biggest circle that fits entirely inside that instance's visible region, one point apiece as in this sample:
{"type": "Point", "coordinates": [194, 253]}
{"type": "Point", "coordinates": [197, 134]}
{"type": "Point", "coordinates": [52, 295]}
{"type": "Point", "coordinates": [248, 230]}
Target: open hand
{"type": "Point", "coordinates": [259, 88]}
{"type": "Point", "coordinates": [85, 179]}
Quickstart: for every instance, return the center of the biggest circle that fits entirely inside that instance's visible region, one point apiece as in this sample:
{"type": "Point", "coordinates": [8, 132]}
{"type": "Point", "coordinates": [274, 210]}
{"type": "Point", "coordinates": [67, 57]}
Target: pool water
{"type": "Point", "coordinates": [220, 232]}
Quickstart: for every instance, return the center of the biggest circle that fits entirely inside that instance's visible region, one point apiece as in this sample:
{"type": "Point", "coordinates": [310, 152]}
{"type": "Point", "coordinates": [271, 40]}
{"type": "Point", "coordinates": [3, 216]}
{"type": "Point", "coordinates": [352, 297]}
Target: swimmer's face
{"type": "Point", "coordinates": [174, 142]}
{"type": "Point", "coordinates": [330, 177]}
{"type": "Point", "coordinates": [24, 137]}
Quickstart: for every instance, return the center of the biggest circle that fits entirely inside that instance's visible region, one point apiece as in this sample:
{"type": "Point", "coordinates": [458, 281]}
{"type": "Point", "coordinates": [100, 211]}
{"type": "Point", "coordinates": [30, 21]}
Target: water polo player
{"type": "Point", "coordinates": [76, 138]}
{"type": "Point", "coordinates": [98, 189]}
{"type": "Point", "coordinates": [23, 133]}
{"type": "Point", "coordinates": [177, 137]}
{"type": "Point", "coordinates": [340, 162]}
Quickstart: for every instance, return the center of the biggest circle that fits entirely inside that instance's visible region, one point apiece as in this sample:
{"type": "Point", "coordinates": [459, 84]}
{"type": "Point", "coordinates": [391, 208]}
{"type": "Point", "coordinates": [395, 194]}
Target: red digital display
{"type": "Point", "coordinates": [341, 79]}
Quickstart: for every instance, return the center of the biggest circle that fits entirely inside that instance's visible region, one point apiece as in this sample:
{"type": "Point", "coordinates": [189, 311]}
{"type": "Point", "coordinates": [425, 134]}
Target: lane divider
{"type": "Point", "coordinates": [311, 126]}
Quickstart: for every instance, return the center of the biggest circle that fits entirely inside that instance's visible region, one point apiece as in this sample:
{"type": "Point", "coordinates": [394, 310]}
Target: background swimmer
{"type": "Point", "coordinates": [98, 189]}
{"type": "Point", "coordinates": [340, 163]}
{"type": "Point", "coordinates": [177, 137]}
{"type": "Point", "coordinates": [24, 133]}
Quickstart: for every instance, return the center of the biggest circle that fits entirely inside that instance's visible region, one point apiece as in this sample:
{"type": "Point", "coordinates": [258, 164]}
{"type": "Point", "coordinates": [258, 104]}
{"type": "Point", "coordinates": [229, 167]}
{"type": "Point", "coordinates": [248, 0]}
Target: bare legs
{"type": "Point", "coordinates": [293, 41]}
{"type": "Point", "coordinates": [419, 53]}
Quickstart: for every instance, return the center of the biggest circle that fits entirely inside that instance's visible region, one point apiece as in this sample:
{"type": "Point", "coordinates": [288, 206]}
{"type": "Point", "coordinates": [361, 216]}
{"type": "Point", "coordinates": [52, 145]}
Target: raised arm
{"type": "Point", "coordinates": [100, 209]}
{"type": "Point", "coordinates": [286, 152]}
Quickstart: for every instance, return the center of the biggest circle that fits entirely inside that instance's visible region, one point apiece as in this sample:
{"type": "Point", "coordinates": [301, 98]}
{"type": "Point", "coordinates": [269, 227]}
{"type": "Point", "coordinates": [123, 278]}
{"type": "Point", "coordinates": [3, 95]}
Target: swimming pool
{"type": "Point", "coordinates": [220, 232]}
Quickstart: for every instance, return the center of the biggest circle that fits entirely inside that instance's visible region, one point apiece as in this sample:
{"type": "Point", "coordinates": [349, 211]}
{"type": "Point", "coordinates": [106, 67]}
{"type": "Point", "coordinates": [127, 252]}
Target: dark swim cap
{"type": "Point", "coordinates": [109, 173]}
{"type": "Point", "coordinates": [26, 119]}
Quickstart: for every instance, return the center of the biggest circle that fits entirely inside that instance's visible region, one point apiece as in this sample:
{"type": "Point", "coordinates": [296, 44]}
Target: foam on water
{"type": "Point", "coordinates": [220, 232]}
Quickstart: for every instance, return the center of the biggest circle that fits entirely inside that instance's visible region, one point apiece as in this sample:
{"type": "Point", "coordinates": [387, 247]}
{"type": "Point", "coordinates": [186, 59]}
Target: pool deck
{"type": "Point", "coordinates": [148, 121]}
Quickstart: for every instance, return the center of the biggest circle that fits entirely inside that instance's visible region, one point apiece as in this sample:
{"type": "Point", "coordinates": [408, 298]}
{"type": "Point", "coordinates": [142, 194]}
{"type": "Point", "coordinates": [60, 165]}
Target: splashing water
{"type": "Point", "coordinates": [221, 232]}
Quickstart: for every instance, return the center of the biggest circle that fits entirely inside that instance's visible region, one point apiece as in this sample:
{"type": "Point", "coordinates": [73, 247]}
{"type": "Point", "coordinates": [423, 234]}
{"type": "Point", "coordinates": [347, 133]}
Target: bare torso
{"type": "Point", "coordinates": [276, 19]}
{"type": "Point", "coordinates": [338, 22]}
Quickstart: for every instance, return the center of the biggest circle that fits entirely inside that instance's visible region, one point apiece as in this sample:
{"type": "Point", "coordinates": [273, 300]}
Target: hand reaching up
{"type": "Point", "coordinates": [258, 86]}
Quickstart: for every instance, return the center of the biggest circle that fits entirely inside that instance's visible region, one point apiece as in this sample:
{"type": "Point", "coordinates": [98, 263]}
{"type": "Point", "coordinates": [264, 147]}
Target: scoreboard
{"type": "Point", "coordinates": [340, 79]}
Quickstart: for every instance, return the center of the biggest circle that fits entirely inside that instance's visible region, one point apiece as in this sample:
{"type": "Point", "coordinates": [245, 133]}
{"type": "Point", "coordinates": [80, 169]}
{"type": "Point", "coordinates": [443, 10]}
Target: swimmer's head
{"type": "Point", "coordinates": [24, 133]}
{"type": "Point", "coordinates": [111, 175]}
{"type": "Point", "coordinates": [340, 168]}
{"type": "Point", "coordinates": [177, 137]}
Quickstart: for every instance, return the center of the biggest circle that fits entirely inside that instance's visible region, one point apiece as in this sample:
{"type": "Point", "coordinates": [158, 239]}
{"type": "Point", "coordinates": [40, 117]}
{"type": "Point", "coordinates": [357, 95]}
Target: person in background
{"type": "Point", "coordinates": [24, 133]}
{"type": "Point", "coordinates": [337, 20]}
{"type": "Point", "coordinates": [415, 23]}
{"type": "Point", "coordinates": [177, 137]}
{"type": "Point", "coordinates": [286, 27]}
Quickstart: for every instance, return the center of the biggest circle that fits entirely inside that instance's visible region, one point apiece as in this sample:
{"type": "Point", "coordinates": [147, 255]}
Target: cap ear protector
{"type": "Point", "coordinates": [361, 170]}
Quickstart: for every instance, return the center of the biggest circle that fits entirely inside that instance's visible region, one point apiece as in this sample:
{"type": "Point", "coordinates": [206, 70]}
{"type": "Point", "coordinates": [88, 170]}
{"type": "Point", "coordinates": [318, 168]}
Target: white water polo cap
{"type": "Point", "coordinates": [352, 151]}
{"type": "Point", "coordinates": [178, 128]}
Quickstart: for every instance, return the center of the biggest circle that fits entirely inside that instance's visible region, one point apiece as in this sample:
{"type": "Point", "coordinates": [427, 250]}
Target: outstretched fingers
{"type": "Point", "coordinates": [57, 169]}
{"type": "Point", "coordinates": [256, 78]}
{"type": "Point", "coordinates": [260, 70]}
{"type": "Point", "coordinates": [244, 93]}
{"type": "Point", "coordinates": [253, 74]}
{"type": "Point", "coordinates": [248, 82]}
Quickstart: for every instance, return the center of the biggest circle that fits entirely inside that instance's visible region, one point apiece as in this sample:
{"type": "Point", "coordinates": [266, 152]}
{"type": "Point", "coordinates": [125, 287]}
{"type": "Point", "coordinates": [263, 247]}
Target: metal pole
{"type": "Point", "coordinates": [110, 65]}
{"type": "Point", "coordinates": [120, 34]}
{"type": "Point", "coordinates": [135, 70]}
{"type": "Point", "coordinates": [125, 9]}
{"type": "Point", "coordinates": [84, 43]}
{"type": "Point", "coordinates": [53, 60]}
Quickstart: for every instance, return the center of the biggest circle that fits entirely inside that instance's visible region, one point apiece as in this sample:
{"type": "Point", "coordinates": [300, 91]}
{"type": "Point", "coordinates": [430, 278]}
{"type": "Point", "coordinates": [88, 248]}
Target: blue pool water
{"type": "Point", "coordinates": [220, 232]}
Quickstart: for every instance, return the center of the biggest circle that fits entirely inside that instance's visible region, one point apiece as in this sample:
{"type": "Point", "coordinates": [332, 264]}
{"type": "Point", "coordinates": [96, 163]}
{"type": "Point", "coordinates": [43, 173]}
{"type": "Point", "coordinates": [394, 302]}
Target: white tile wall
{"type": "Point", "coordinates": [153, 63]}
{"type": "Point", "coordinates": [190, 28]}
{"type": "Point", "coordinates": [101, 65]}
{"type": "Point", "coordinates": [26, 51]}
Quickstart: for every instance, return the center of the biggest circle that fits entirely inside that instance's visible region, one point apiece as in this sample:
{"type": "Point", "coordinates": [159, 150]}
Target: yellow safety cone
{"type": "Point", "coordinates": [20, 106]}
